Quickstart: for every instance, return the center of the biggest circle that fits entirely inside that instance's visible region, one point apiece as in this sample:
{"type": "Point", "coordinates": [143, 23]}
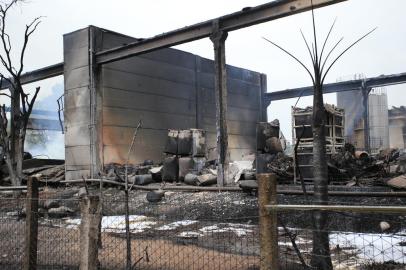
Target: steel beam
{"type": "Point", "coordinates": [220, 92]}
{"type": "Point", "coordinates": [365, 115]}
{"type": "Point", "coordinates": [383, 80]}
{"type": "Point", "coordinates": [38, 75]}
{"type": "Point", "coordinates": [244, 18]}
{"type": "Point", "coordinates": [339, 208]}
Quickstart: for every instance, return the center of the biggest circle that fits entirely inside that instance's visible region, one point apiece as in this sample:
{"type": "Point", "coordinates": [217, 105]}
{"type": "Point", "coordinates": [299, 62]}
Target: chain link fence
{"type": "Point", "coordinates": [357, 240]}
{"type": "Point", "coordinates": [170, 235]}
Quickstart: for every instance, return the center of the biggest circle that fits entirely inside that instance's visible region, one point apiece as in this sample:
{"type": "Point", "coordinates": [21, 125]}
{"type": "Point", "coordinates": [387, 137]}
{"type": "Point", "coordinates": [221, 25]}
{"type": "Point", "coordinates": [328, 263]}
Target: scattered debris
{"type": "Point", "coordinates": [155, 195]}
{"type": "Point", "coordinates": [248, 185]}
{"type": "Point", "coordinates": [207, 179]}
{"type": "Point", "coordinates": [191, 179]}
{"type": "Point", "coordinates": [61, 211]}
{"type": "Point", "coordinates": [82, 192]}
{"type": "Point", "coordinates": [51, 204]}
{"type": "Point", "coordinates": [238, 168]}
{"type": "Point", "coordinates": [384, 226]}
{"type": "Point", "coordinates": [398, 182]}
{"type": "Point", "coordinates": [141, 179]}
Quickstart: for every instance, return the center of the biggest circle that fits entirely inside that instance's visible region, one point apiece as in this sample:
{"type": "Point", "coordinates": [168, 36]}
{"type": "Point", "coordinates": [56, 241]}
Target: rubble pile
{"type": "Point", "coordinates": [270, 156]}
{"type": "Point", "coordinates": [184, 161]}
{"type": "Point", "coordinates": [45, 170]}
{"type": "Point", "coordinates": [353, 167]}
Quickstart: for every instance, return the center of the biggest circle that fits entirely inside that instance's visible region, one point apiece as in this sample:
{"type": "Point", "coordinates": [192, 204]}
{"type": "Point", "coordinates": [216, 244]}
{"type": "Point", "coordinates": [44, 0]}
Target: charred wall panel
{"type": "Point", "coordinates": [77, 101]}
{"type": "Point", "coordinates": [243, 112]}
{"type": "Point", "coordinates": [167, 89]}
{"type": "Point", "coordinates": [156, 88]}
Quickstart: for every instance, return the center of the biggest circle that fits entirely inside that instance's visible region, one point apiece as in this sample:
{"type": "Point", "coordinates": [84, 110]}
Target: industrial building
{"type": "Point", "coordinates": [165, 89]}
{"type": "Point", "coordinates": [376, 114]}
{"type": "Point", "coordinates": [397, 127]}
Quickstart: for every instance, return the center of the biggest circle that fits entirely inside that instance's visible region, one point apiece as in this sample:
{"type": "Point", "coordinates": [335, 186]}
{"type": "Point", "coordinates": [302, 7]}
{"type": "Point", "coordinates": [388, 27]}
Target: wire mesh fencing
{"type": "Point", "coordinates": [12, 231]}
{"type": "Point", "coordinates": [357, 239]}
{"type": "Point", "coordinates": [171, 235]}
{"type": "Point", "coordinates": [165, 236]}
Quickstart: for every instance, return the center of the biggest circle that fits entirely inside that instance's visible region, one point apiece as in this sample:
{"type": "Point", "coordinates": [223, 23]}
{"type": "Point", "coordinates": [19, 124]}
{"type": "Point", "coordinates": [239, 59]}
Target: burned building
{"type": "Point", "coordinates": [166, 89]}
{"type": "Point", "coordinates": [397, 127]}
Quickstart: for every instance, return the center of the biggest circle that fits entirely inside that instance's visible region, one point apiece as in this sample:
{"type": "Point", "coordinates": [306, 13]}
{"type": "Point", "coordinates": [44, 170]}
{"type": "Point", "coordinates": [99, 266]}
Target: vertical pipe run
{"type": "Point", "coordinates": [31, 225]}
{"type": "Point", "coordinates": [365, 98]}
{"type": "Point", "coordinates": [220, 92]}
{"type": "Point", "coordinates": [268, 227]}
{"type": "Point", "coordinates": [263, 104]}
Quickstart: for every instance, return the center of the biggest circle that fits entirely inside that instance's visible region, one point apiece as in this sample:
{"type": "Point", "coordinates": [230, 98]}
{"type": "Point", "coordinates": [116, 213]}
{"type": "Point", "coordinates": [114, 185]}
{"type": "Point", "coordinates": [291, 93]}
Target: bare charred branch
{"type": "Point", "coordinates": [4, 94]}
{"type": "Point", "coordinates": [292, 238]}
{"type": "Point", "coordinates": [30, 106]}
{"type": "Point", "coordinates": [328, 55]}
{"type": "Point", "coordinates": [316, 62]}
{"type": "Point", "coordinates": [307, 45]}
{"type": "Point", "coordinates": [341, 54]}
{"type": "Point", "coordinates": [325, 41]}
{"type": "Point", "coordinates": [12, 141]}
{"type": "Point", "coordinates": [29, 29]}
{"type": "Point", "coordinates": [291, 55]}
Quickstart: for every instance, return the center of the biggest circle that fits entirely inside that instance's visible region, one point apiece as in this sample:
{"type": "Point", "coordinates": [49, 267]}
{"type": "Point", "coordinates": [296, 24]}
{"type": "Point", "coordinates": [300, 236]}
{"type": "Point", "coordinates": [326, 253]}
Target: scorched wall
{"type": "Point", "coordinates": [166, 89]}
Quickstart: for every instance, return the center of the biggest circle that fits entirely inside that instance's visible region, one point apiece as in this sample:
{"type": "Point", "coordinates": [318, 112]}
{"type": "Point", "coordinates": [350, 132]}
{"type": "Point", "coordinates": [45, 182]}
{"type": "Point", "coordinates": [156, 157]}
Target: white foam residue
{"type": "Point", "coordinates": [189, 234]}
{"type": "Point", "coordinates": [209, 228]}
{"type": "Point", "coordinates": [227, 227]}
{"type": "Point", "coordinates": [176, 224]}
{"type": "Point", "coordinates": [116, 224]}
{"type": "Point", "coordinates": [377, 248]}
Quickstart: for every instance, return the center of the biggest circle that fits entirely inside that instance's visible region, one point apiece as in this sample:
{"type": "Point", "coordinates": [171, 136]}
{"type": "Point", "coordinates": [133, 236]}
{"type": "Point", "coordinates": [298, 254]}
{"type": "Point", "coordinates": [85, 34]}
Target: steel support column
{"type": "Point", "coordinates": [365, 94]}
{"type": "Point", "coordinates": [220, 92]}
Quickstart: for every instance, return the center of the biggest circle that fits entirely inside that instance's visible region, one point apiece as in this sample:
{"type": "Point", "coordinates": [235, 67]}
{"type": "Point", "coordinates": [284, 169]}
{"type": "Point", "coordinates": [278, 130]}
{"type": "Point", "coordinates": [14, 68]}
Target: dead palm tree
{"type": "Point", "coordinates": [321, 251]}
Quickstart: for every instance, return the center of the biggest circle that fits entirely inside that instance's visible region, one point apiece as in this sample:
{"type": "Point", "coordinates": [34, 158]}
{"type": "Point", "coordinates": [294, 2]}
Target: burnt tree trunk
{"type": "Point", "coordinates": [15, 158]}
{"type": "Point", "coordinates": [14, 144]}
{"type": "Point", "coordinates": [12, 136]}
{"type": "Point", "coordinates": [321, 249]}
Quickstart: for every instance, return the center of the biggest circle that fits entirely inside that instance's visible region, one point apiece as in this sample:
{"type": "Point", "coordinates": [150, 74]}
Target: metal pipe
{"type": "Point", "coordinates": [238, 189]}
{"type": "Point", "coordinates": [14, 188]}
{"type": "Point", "coordinates": [340, 208]}
{"type": "Point", "coordinates": [352, 85]}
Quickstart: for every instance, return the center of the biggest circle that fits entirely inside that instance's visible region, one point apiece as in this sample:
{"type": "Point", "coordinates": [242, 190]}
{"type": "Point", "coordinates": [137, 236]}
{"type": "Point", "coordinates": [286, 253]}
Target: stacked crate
{"type": "Point", "coordinates": [184, 152]}
{"type": "Point", "coordinates": [302, 125]}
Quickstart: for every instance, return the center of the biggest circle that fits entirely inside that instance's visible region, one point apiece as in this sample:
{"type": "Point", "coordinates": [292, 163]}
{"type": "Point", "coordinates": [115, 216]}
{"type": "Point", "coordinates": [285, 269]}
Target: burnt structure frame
{"type": "Point", "coordinates": [364, 85]}
{"type": "Point", "coordinates": [244, 18]}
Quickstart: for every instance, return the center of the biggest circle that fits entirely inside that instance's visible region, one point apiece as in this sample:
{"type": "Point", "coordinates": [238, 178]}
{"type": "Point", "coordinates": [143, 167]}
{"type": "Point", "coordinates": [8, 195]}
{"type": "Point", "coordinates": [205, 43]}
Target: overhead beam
{"type": "Point", "coordinates": [234, 21]}
{"type": "Point", "coordinates": [38, 75]}
{"type": "Point", "coordinates": [383, 80]}
{"type": "Point", "coordinates": [340, 208]}
{"type": "Point", "coordinates": [244, 18]}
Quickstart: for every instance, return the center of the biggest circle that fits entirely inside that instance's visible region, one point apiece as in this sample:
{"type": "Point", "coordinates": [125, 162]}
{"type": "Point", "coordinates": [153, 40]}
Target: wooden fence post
{"type": "Point", "coordinates": [90, 210]}
{"type": "Point", "coordinates": [31, 225]}
{"type": "Point", "coordinates": [268, 226]}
